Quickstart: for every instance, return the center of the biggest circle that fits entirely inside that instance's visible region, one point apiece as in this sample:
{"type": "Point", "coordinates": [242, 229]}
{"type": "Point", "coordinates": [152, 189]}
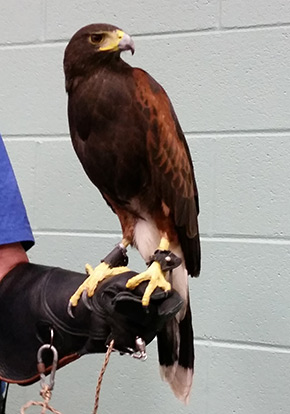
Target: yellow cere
{"type": "Point", "coordinates": [112, 40]}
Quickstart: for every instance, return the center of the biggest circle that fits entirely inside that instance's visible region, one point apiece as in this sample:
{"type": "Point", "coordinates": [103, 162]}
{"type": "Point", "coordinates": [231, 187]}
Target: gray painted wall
{"type": "Point", "coordinates": [225, 65]}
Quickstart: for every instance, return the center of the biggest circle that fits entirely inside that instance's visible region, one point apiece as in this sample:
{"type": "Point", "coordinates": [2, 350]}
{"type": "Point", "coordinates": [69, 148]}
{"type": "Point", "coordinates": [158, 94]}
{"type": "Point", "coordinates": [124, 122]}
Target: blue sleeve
{"type": "Point", "coordinates": [14, 224]}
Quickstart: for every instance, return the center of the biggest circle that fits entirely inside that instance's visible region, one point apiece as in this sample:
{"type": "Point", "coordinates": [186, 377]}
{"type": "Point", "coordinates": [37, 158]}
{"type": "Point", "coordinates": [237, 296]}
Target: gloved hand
{"type": "Point", "coordinates": [33, 311]}
{"type": "Point", "coordinates": [124, 315]}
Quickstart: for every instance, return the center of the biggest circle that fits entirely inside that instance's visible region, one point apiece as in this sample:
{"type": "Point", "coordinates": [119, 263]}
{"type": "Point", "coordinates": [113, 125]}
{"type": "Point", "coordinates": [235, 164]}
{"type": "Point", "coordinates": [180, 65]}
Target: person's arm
{"type": "Point", "coordinates": [15, 232]}
{"type": "Point", "coordinates": [11, 255]}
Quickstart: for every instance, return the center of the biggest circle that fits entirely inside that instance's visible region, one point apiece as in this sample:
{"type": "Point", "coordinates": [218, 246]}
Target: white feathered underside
{"type": "Point", "coordinates": [147, 239]}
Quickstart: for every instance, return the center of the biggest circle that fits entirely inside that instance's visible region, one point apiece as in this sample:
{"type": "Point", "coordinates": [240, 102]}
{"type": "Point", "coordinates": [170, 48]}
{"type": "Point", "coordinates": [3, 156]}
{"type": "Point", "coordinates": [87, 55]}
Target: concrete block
{"type": "Point", "coordinates": [66, 199]}
{"type": "Point", "coordinates": [65, 18]}
{"type": "Point", "coordinates": [21, 21]}
{"type": "Point", "coordinates": [71, 251]}
{"type": "Point", "coordinates": [252, 183]}
{"type": "Point", "coordinates": [242, 294]}
{"type": "Point", "coordinates": [203, 156]}
{"type": "Point", "coordinates": [33, 99]}
{"type": "Point", "coordinates": [235, 13]}
{"type": "Point", "coordinates": [243, 381]}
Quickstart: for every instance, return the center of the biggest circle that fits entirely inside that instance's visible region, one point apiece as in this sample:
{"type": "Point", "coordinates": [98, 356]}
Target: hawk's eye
{"type": "Point", "coordinates": [97, 37]}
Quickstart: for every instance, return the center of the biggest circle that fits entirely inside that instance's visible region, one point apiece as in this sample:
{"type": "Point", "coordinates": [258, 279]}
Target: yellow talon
{"type": "Point", "coordinates": [101, 272]}
{"type": "Point", "coordinates": [156, 279]}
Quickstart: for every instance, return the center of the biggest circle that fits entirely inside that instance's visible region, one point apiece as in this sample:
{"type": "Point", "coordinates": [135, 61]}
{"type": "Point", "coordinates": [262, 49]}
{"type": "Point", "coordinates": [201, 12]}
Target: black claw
{"type": "Point", "coordinates": [86, 299]}
{"type": "Point", "coordinates": [146, 308]}
{"type": "Point", "coordinates": [70, 310]}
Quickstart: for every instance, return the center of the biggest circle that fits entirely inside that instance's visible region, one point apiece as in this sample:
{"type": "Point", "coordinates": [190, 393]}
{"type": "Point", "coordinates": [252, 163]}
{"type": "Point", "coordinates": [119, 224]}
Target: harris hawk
{"type": "Point", "coordinates": [128, 139]}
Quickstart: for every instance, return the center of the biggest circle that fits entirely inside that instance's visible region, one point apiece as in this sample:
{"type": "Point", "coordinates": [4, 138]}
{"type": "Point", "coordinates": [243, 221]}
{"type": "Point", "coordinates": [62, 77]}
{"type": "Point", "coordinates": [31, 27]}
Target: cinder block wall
{"type": "Point", "coordinates": [225, 65]}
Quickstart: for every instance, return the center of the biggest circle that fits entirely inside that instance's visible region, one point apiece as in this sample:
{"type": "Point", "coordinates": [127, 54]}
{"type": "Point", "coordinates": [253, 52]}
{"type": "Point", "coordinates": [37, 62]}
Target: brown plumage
{"type": "Point", "coordinates": [129, 141]}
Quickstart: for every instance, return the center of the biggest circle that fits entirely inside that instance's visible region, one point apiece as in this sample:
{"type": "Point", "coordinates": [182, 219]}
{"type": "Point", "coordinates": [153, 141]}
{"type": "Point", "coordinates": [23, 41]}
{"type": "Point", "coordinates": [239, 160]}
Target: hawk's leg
{"type": "Point", "coordinates": [113, 264]}
{"type": "Point", "coordinates": [163, 260]}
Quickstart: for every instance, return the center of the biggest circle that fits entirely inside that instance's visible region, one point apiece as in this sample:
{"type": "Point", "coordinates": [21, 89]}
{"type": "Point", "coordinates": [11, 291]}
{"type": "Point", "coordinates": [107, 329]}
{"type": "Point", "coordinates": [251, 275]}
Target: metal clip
{"type": "Point", "coordinates": [51, 336]}
{"type": "Point", "coordinates": [41, 365]}
{"type": "Point", "coordinates": [139, 352]}
{"type": "Point", "coordinates": [141, 349]}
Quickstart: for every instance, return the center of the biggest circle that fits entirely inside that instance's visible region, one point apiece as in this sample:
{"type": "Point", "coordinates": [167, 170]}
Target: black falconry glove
{"type": "Point", "coordinates": [33, 312]}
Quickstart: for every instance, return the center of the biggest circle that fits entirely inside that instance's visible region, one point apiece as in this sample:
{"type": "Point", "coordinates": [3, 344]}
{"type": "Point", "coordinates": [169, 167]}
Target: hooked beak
{"type": "Point", "coordinates": [126, 43]}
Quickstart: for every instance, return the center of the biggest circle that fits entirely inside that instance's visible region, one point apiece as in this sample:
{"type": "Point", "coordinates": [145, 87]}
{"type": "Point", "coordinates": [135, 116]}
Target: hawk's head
{"type": "Point", "coordinates": [92, 45]}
